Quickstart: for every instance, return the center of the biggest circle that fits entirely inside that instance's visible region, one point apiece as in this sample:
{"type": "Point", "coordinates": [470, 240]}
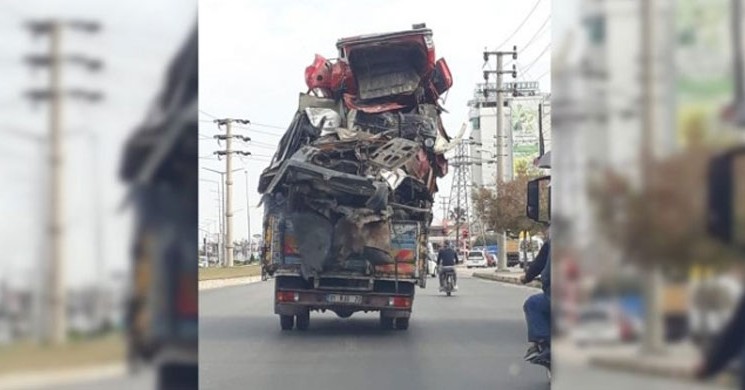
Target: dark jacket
{"type": "Point", "coordinates": [541, 266]}
{"type": "Point", "coordinates": [447, 257]}
{"type": "Point", "coordinates": [728, 344]}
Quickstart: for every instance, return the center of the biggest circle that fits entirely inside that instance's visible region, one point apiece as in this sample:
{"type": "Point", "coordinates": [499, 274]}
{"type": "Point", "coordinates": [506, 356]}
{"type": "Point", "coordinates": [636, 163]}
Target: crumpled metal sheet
{"type": "Point", "coordinates": [363, 231]}
{"type": "Point", "coordinates": [394, 154]}
{"type": "Point", "coordinates": [325, 118]}
{"type": "Point", "coordinates": [314, 235]}
{"type": "Point", "coordinates": [351, 102]}
{"type": "Point", "coordinates": [393, 178]}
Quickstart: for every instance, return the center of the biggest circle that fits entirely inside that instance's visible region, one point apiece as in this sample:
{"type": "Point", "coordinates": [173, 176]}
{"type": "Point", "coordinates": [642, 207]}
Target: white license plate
{"type": "Point", "coordinates": [339, 298]}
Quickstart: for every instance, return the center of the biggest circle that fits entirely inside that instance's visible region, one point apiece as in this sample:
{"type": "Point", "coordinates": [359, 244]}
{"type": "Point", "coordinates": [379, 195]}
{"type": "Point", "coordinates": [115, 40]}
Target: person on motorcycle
{"type": "Point", "coordinates": [537, 307]}
{"type": "Point", "coordinates": [447, 257]}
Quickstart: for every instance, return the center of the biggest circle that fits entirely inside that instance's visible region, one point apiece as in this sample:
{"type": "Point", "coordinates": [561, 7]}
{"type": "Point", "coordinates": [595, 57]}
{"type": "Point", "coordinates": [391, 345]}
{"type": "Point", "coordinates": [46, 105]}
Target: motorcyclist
{"type": "Point", "coordinates": [537, 307]}
{"type": "Point", "coordinates": [447, 257]}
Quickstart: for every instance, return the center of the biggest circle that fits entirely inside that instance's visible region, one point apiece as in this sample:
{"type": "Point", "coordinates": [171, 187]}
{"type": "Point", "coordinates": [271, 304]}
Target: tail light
{"type": "Point", "coordinates": [287, 296]}
{"type": "Point", "coordinates": [399, 301]}
{"type": "Point", "coordinates": [627, 331]}
{"type": "Point", "coordinates": [186, 297]}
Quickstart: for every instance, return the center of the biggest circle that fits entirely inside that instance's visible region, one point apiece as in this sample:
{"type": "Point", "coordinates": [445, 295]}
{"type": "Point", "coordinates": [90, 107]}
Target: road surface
{"type": "Point", "coordinates": [472, 340]}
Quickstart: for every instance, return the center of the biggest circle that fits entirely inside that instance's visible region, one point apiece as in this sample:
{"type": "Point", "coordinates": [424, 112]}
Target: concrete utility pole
{"type": "Point", "coordinates": [248, 217]}
{"type": "Point", "coordinates": [738, 66]}
{"type": "Point", "coordinates": [500, 129]}
{"type": "Point", "coordinates": [654, 332]}
{"type": "Point", "coordinates": [56, 333]}
{"type": "Point", "coordinates": [222, 210]}
{"type": "Point", "coordinates": [228, 153]}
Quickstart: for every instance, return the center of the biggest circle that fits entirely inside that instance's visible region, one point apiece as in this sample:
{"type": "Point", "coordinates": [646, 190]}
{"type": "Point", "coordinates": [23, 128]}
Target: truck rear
{"type": "Point", "coordinates": [348, 195]}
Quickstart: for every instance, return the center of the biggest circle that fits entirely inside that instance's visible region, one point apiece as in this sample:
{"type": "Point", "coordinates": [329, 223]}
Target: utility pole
{"type": "Point", "coordinates": [444, 208]}
{"type": "Point", "coordinates": [738, 69]}
{"type": "Point", "coordinates": [228, 153]}
{"type": "Point", "coordinates": [223, 212]}
{"type": "Point", "coordinates": [248, 218]}
{"type": "Point", "coordinates": [56, 332]}
{"type": "Point", "coordinates": [654, 332]}
{"type": "Point", "coordinates": [500, 129]}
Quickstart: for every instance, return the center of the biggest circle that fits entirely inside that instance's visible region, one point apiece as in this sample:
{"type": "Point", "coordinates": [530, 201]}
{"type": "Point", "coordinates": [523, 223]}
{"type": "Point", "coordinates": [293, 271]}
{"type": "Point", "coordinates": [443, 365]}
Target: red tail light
{"type": "Point", "coordinates": [287, 296]}
{"type": "Point", "coordinates": [186, 297]}
{"type": "Point", "coordinates": [399, 301]}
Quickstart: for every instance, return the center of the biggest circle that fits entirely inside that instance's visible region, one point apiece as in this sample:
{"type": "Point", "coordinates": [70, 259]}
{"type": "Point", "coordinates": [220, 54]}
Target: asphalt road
{"type": "Point", "coordinates": [472, 340]}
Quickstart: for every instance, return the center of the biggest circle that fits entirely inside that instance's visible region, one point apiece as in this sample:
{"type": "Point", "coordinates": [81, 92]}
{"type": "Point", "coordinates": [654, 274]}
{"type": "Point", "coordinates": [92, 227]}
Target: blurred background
{"type": "Point", "coordinates": [646, 93]}
{"type": "Point", "coordinates": [78, 78]}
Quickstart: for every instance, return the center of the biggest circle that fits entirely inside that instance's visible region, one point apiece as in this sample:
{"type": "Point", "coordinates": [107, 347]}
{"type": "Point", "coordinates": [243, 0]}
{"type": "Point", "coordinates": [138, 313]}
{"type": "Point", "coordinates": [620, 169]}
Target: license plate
{"type": "Point", "coordinates": [339, 298]}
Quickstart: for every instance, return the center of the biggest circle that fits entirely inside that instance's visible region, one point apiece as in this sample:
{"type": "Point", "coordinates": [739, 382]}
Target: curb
{"type": "Point", "coordinates": [219, 283]}
{"type": "Point", "coordinates": [505, 279]}
{"type": "Point", "coordinates": [43, 379]}
{"type": "Point", "coordinates": [636, 366]}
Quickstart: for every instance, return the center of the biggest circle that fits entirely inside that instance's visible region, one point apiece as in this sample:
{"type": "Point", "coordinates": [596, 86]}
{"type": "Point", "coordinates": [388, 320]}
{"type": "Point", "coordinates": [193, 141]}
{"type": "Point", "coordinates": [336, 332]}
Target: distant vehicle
{"type": "Point", "coordinates": [477, 259]}
{"type": "Point", "coordinates": [603, 323]}
{"type": "Point", "coordinates": [203, 262]}
{"type": "Point", "coordinates": [491, 260]}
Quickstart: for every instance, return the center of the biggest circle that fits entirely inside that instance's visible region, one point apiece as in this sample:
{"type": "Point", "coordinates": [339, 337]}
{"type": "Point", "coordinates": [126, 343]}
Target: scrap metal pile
{"type": "Point", "coordinates": [365, 147]}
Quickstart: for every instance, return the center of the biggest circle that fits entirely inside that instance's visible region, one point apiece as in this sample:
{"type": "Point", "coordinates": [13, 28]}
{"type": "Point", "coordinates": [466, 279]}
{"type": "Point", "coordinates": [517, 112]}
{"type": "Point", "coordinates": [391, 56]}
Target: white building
{"type": "Point", "coordinates": [521, 127]}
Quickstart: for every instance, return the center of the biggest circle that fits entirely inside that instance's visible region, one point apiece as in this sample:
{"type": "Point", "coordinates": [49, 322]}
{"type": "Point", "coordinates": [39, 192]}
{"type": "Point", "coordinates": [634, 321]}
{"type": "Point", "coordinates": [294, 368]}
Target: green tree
{"type": "Point", "coordinates": [505, 211]}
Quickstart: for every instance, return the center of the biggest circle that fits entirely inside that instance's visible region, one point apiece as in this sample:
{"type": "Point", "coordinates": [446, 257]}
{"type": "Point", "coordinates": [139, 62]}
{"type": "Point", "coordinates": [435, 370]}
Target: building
{"type": "Point", "coordinates": [523, 119]}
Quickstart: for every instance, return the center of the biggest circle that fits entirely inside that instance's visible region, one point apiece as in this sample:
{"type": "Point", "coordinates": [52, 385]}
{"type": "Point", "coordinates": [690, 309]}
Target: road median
{"type": "Point", "coordinates": [505, 277]}
{"type": "Point", "coordinates": [217, 277]}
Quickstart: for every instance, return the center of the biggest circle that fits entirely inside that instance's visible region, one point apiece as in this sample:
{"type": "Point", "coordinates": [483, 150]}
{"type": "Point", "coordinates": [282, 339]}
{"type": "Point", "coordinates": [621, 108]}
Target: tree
{"type": "Point", "coordinates": [505, 211]}
{"type": "Point", "coordinates": [664, 221]}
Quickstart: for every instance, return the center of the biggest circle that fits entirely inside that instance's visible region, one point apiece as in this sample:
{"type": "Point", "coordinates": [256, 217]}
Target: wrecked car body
{"type": "Point", "coordinates": [348, 195]}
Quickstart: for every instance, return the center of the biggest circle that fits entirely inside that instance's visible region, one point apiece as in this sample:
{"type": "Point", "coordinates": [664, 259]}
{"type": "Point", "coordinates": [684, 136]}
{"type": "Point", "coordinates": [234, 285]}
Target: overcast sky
{"type": "Point", "coordinates": [137, 40]}
{"type": "Point", "coordinates": [253, 55]}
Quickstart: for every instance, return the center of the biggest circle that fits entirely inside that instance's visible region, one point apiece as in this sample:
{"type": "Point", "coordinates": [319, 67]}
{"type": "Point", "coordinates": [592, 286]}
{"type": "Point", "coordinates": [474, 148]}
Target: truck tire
{"type": "Point", "coordinates": [302, 321]}
{"type": "Point", "coordinates": [402, 323]}
{"type": "Point", "coordinates": [386, 322]}
{"type": "Point", "coordinates": [286, 322]}
{"type": "Point", "coordinates": [178, 376]}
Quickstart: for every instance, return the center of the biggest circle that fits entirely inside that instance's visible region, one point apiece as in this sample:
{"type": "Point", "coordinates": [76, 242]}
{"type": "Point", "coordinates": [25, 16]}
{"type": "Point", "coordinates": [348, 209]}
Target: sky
{"type": "Point", "coordinates": [253, 55]}
{"type": "Point", "coordinates": [137, 41]}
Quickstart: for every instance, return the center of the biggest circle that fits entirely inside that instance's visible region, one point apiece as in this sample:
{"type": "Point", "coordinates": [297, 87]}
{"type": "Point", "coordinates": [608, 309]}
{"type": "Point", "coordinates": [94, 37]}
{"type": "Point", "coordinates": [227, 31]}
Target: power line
{"type": "Point", "coordinates": [208, 114]}
{"type": "Point", "coordinates": [539, 57]}
{"type": "Point", "coordinates": [543, 74]}
{"type": "Point", "coordinates": [259, 131]}
{"type": "Point", "coordinates": [520, 26]}
{"type": "Point", "coordinates": [532, 39]}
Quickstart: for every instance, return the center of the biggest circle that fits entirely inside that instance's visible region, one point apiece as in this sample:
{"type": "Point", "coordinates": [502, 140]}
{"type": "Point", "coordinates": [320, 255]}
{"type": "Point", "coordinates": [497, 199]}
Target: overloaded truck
{"type": "Point", "coordinates": [160, 169]}
{"type": "Point", "coordinates": [348, 194]}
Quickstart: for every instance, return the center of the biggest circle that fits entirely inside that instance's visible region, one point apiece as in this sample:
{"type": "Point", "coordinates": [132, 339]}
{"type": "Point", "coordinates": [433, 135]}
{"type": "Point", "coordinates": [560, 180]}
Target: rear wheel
{"type": "Point", "coordinates": [303, 321]}
{"type": "Point", "coordinates": [286, 322]}
{"type": "Point", "coordinates": [178, 376]}
{"type": "Point", "coordinates": [402, 323]}
{"type": "Point", "coordinates": [386, 322]}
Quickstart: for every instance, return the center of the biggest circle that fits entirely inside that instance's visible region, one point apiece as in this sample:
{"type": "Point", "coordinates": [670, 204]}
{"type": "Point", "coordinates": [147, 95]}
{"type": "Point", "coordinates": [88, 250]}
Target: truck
{"type": "Point", "coordinates": [159, 167]}
{"type": "Point", "coordinates": [348, 194]}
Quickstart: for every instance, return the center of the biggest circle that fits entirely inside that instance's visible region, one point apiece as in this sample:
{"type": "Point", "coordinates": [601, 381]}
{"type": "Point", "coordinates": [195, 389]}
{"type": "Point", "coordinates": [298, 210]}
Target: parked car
{"type": "Point", "coordinates": [604, 323]}
{"type": "Point", "coordinates": [477, 259]}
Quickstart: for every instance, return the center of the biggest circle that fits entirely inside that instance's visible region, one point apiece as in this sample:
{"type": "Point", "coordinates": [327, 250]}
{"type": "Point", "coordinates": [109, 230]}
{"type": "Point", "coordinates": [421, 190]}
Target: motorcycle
{"type": "Point", "coordinates": [449, 282]}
